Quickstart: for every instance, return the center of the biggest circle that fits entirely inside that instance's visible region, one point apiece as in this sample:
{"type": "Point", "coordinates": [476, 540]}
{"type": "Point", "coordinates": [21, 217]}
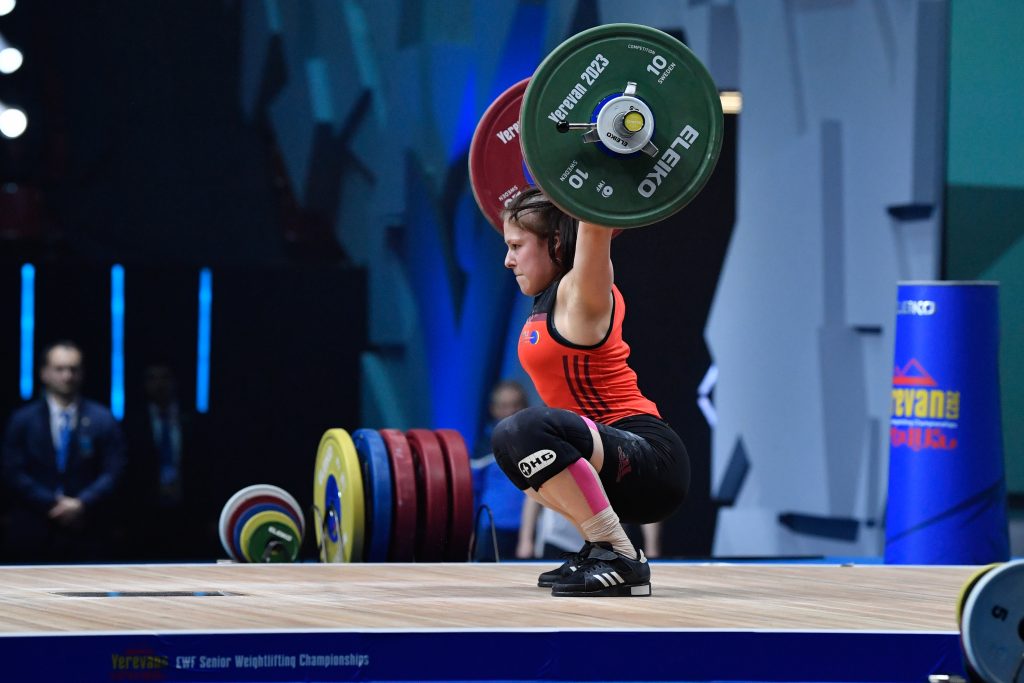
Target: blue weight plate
{"type": "Point", "coordinates": [373, 457]}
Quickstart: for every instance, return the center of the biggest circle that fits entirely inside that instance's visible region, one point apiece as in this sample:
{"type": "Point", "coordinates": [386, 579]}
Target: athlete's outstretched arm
{"type": "Point", "coordinates": [587, 289]}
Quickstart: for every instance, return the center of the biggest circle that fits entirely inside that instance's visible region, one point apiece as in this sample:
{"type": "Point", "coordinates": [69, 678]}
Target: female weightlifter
{"type": "Point", "coordinates": [598, 452]}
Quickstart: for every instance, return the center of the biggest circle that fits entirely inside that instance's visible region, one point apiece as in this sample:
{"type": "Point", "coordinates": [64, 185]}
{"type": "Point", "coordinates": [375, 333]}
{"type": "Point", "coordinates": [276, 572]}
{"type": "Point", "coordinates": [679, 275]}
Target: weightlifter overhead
{"type": "Point", "coordinates": [598, 452]}
{"type": "Point", "coordinates": [651, 122]}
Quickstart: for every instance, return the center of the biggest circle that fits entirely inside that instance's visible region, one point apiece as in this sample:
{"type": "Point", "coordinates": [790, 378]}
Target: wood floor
{"type": "Point", "coordinates": [54, 599]}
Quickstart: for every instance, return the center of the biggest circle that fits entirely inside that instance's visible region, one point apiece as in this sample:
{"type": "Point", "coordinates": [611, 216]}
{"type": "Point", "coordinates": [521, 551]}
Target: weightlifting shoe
{"type": "Point", "coordinates": [606, 573]}
{"type": "Point", "coordinates": [572, 561]}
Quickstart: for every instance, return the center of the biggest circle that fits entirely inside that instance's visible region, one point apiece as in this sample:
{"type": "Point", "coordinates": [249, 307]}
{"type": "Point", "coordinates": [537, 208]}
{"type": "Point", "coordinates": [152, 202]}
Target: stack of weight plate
{"type": "Point", "coordinates": [262, 523]}
{"type": "Point", "coordinates": [391, 496]}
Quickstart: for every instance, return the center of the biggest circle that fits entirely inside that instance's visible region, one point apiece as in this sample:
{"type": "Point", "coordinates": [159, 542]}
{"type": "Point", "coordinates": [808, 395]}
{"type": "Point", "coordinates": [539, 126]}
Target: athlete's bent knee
{"type": "Point", "coordinates": [537, 443]}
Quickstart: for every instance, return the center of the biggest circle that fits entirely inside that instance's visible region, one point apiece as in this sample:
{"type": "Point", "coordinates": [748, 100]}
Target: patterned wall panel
{"type": "Point", "coordinates": [373, 117]}
{"type": "Point", "coordinates": [833, 212]}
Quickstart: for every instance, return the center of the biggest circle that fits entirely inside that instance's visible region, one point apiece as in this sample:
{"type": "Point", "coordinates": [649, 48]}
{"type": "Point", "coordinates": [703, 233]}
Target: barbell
{"type": "Point", "coordinates": [621, 125]}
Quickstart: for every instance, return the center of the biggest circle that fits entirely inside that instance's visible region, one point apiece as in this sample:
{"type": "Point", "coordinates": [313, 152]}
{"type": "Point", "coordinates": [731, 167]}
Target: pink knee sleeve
{"type": "Point", "coordinates": [590, 484]}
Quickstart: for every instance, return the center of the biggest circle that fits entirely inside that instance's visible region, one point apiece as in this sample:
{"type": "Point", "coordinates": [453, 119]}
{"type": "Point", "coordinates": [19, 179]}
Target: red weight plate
{"type": "Point", "coordinates": [403, 474]}
{"type": "Point", "coordinates": [496, 169]}
{"type": "Point", "coordinates": [431, 495]}
{"type": "Point", "coordinates": [497, 172]}
{"type": "Point", "coordinates": [460, 494]}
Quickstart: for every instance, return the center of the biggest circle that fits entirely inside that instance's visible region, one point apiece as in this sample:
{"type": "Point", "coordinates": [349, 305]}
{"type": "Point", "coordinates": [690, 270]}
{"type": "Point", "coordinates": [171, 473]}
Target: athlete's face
{"type": "Point", "coordinates": [528, 258]}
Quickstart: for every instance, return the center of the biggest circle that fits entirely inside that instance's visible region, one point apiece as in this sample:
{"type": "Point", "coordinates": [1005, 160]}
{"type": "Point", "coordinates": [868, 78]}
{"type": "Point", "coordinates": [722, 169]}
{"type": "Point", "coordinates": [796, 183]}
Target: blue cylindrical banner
{"type": "Point", "coordinates": [947, 487]}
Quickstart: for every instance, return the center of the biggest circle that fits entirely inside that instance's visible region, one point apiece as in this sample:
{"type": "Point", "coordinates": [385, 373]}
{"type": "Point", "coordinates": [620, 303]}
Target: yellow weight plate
{"type": "Point", "coordinates": [968, 585]}
{"type": "Point", "coordinates": [339, 507]}
{"type": "Point", "coordinates": [265, 527]}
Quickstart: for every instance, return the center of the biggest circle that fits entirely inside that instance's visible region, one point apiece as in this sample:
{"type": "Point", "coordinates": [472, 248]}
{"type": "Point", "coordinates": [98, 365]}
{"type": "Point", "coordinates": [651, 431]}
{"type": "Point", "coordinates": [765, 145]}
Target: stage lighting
{"type": "Point", "coordinates": [13, 122]}
{"type": "Point", "coordinates": [6, 6]}
{"type": "Point", "coordinates": [10, 59]}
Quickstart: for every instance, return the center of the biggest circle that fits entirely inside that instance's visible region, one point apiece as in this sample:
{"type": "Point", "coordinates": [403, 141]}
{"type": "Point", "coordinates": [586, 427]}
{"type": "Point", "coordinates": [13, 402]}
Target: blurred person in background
{"type": "Point", "coordinates": [492, 488]}
{"type": "Point", "coordinates": [62, 458]}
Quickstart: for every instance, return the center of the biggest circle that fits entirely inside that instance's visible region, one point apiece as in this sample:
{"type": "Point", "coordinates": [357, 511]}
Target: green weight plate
{"type": "Point", "coordinates": [270, 536]}
{"type": "Point", "coordinates": [243, 515]}
{"type": "Point", "coordinates": [583, 77]}
{"type": "Point", "coordinates": [339, 509]}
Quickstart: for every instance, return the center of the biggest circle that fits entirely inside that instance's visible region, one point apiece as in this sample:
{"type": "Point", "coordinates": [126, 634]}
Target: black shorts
{"type": "Point", "coordinates": [646, 471]}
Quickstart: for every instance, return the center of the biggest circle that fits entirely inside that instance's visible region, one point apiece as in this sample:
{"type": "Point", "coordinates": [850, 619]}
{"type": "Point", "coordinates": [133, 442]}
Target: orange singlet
{"type": "Point", "coordinates": [594, 381]}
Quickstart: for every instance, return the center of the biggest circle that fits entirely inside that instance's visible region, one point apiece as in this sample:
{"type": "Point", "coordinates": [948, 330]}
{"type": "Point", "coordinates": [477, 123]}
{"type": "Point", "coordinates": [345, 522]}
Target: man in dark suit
{"type": "Point", "coordinates": [171, 514]}
{"type": "Point", "coordinates": [62, 458]}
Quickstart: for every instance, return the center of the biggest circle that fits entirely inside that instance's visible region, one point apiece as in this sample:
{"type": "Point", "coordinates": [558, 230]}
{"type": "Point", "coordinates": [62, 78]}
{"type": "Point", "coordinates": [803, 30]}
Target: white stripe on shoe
{"type": "Point", "coordinates": [609, 579]}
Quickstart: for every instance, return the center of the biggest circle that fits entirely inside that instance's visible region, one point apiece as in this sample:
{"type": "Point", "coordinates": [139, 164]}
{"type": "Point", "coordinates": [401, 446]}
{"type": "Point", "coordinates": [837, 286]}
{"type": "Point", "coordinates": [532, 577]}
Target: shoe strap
{"type": "Point", "coordinates": [602, 551]}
